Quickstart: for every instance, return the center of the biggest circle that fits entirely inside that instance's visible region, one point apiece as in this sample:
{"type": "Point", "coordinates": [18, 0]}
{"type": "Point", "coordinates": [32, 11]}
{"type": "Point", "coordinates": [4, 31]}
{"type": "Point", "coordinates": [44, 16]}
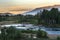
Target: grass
{"type": "Point", "coordinates": [37, 39]}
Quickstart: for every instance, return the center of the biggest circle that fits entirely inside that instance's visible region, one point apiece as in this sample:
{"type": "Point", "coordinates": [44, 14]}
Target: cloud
{"type": "Point", "coordinates": [20, 9]}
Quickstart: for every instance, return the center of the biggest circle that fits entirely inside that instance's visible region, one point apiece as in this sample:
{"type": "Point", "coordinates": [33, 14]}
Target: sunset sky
{"type": "Point", "coordinates": [21, 6]}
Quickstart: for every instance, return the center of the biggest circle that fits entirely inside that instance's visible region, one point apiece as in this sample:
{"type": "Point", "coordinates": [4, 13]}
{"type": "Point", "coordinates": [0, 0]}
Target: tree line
{"type": "Point", "coordinates": [48, 18]}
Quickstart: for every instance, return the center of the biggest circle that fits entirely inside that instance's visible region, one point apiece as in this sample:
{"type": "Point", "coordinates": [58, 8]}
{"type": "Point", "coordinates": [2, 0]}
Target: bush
{"type": "Point", "coordinates": [41, 34]}
{"type": "Point", "coordinates": [58, 38]}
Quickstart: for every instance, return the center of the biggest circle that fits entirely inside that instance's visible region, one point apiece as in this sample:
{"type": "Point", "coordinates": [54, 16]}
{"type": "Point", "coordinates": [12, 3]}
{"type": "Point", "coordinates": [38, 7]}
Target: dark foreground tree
{"type": "Point", "coordinates": [10, 34]}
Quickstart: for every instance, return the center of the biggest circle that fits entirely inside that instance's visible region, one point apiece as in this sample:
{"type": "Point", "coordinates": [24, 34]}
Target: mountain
{"type": "Point", "coordinates": [33, 12]}
{"type": "Point", "coordinates": [37, 10]}
{"type": "Point", "coordinates": [5, 14]}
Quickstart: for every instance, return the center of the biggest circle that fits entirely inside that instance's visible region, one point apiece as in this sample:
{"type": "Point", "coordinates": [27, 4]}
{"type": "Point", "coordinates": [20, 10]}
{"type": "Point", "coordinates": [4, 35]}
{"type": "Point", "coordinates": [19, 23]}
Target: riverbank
{"type": "Point", "coordinates": [53, 36]}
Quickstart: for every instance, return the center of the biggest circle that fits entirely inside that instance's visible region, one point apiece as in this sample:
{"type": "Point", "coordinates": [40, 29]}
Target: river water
{"type": "Point", "coordinates": [53, 32]}
{"type": "Point", "coordinates": [50, 30]}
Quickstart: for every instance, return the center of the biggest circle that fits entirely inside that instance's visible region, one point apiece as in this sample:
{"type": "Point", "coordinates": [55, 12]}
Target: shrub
{"type": "Point", "coordinates": [41, 34]}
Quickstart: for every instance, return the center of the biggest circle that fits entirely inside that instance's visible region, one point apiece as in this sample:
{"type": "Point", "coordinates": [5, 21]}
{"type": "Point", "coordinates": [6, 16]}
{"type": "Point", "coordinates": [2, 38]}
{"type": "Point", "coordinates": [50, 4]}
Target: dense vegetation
{"type": "Point", "coordinates": [48, 18]}
{"type": "Point", "coordinates": [12, 33]}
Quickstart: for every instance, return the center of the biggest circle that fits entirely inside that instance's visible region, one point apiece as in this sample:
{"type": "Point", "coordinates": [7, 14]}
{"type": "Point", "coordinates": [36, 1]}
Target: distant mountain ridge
{"type": "Point", "coordinates": [54, 6]}
{"type": "Point", "coordinates": [7, 13]}
{"type": "Point", "coordinates": [36, 10]}
{"type": "Point", "coordinates": [33, 12]}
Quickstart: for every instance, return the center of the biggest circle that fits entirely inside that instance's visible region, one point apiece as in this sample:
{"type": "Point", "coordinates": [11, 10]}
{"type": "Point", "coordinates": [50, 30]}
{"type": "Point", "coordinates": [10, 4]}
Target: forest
{"type": "Point", "coordinates": [47, 18]}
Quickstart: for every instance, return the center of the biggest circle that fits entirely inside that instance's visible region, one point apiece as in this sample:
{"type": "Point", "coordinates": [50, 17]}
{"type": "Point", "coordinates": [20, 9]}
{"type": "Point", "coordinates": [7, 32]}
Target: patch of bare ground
{"type": "Point", "coordinates": [53, 36]}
